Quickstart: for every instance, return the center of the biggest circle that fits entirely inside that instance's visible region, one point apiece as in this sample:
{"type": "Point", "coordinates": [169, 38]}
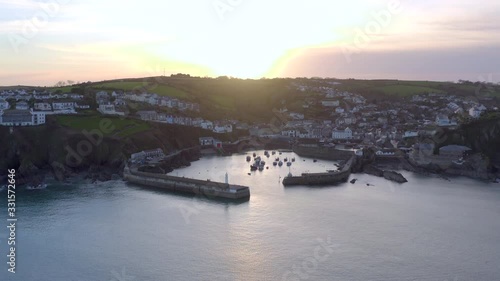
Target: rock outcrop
{"type": "Point", "coordinates": [394, 176]}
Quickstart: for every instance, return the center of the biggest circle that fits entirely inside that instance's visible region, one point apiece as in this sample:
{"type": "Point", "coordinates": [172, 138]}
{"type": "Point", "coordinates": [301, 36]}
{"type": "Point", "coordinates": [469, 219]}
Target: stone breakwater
{"type": "Point", "coordinates": [326, 153]}
{"type": "Point", "coordinates": [208, 189]}
{"type": "Point", "coordinates": [321, 178]}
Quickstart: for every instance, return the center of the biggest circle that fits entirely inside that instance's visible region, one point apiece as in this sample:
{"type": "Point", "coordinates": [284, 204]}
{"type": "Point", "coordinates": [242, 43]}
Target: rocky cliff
{"type": "Point", "coordinates": [64, 152]}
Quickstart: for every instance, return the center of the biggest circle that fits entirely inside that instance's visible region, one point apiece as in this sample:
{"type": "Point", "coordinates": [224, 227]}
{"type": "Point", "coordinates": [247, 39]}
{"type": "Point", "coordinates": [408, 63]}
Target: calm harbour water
{"type": "Point", "coordinates": [427, 229]}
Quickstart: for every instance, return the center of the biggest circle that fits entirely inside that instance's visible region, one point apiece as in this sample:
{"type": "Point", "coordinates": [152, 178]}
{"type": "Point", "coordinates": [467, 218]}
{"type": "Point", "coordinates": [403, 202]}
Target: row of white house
{"type": "Point", "coordinates": [218, 127]}
{"type": "Point", "coordinates": [152, 99]}
{"type": "Point", "coordinates": [317, 133]}
{"type": "Point", "coordinates": [20, 95]}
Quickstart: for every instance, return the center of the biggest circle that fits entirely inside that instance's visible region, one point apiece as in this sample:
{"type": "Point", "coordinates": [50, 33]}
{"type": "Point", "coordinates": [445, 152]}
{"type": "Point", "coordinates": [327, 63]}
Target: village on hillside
{"type": "Point", "coordinates": [346, 117]}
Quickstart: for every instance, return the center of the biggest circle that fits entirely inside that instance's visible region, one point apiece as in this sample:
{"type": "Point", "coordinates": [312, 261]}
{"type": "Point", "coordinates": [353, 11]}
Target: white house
{"type": "Point", "coordinates": [342, 134]}
{"type": "Point", "coordinates": [4, 105]}
{"type": "Point", "coordinates": [82, 106]}
{"type": "Point", "coordinates": [207, 125]}
{"type": "Point", "coordinates": [154, 153]}
{"type": "Point", "coordinates": [475, 112]}
{"type": "Point", "coordinates": [443, 121]}
{"type": "Point", "coordinates": [205, 141]}
{"type": "Point", "coordinates": [63, 105]}
{"type": "Point", "coordinates": [330, 103]}
{"type": "Point", "coordinates": [220, 129]}
{"type": "Point", "coordinates": [165, 102]}
{"type": "Point", "coordinates": [296, 116]}
{"type": "Point", "coordinates": [101, 95]}
{"type": "Point", "coordinates": [21, 118]}
{"type": "Point", "coordinates": [410, 134]}
{"type": "Point", "coordinates": [385, 153]}
{"type": "Point", "coordinates": [43, 106]}
{"type": "Point", "coordinates": [289, 133]}
{"type": "Point", "coordinates": [109, 109]}
{"type": "Point", "coordinates": [76, 96]}
{"type": "Point", "coordinates": [148, 115]}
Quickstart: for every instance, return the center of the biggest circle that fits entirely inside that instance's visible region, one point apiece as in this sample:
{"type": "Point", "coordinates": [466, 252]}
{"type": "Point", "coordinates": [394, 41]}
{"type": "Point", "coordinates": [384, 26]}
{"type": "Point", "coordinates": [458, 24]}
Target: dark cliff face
{"type": "Point", "coordinates": [482, 135]}
{"type": "Point", "coordinates": [64, 152]}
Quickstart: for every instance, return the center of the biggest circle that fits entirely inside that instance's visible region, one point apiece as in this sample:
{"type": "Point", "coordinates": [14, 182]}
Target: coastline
{"type": "Point", "coordinates": [99, 174]}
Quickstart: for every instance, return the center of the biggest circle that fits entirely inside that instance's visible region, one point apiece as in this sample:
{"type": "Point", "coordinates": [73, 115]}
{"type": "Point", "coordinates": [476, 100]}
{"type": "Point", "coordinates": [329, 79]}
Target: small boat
{"type": "Point", "coordinates": [249, 158]}
{"type": "Point", "coordinates": [249, 174]}
{"type": "Point", "coordinates": [289, 164]}
{"type": "Point", "coordinates": [315, 160]}
{"type": "Point", "coordinates": [267, 168]}
{"type": "Point", "coordinates": [277, 159]}
{"type": "Point", "coordinates": [286, 159]}
{"type": "Point", "coordinates": [293, 159]}
{"type": "Point", "coordinates": [275, 163]}
{"type": "Point", "coordinates": [280, 163]}
{"type": "Point", "coordinates": [354, 181]}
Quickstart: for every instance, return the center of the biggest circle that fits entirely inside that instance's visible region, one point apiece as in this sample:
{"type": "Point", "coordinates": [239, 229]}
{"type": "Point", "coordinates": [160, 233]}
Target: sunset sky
{"type": "Point", "coordinates": [43, 42]}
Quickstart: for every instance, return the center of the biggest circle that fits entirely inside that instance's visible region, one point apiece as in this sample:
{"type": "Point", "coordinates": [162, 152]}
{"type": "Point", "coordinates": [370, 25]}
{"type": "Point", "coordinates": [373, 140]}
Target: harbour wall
{"type": "Point", "coordinates": [325, 153]}
{"type": "Point", "coordinates": [209, 189]}
{"type": "Point", "coordinates": [321, 178]}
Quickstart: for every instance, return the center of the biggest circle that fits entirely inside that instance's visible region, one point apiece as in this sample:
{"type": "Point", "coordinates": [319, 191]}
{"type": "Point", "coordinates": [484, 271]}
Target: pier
{"type": "Point", "coordinates": [328, 178]}
{"type": "Point", "coordinates": [207, 188]}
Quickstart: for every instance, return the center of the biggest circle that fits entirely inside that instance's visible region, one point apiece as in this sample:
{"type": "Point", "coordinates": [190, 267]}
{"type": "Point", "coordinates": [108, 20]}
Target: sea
{"type": "Point", "coordinates": [431, 229]}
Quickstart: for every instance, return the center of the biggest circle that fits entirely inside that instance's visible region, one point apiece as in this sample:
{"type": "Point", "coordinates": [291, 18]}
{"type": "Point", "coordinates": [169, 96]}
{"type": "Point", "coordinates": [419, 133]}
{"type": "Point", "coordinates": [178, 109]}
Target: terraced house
{"type": "Point", "coordinates": [18, 117]}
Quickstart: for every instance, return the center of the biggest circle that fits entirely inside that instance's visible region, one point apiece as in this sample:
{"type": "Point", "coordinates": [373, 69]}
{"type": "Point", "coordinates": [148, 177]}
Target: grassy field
{"type": "Point", "coordinates": [162, 90]}
{"type": "Point", "coordinates": [222, 101]}
{"type": "Point", "coordinates": [121, 127]}
{"type": "Point", "coordinates": [66, 89]}
{"type": "Point", "coordinates": [407, 90]}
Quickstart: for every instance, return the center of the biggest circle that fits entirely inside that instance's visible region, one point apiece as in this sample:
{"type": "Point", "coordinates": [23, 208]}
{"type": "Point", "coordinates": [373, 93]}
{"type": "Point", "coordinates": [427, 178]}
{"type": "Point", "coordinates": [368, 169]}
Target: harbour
{"type": "Point", "coordinates": [208, 189]}
{"type": "Point", "coordinates": [382, 229]}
